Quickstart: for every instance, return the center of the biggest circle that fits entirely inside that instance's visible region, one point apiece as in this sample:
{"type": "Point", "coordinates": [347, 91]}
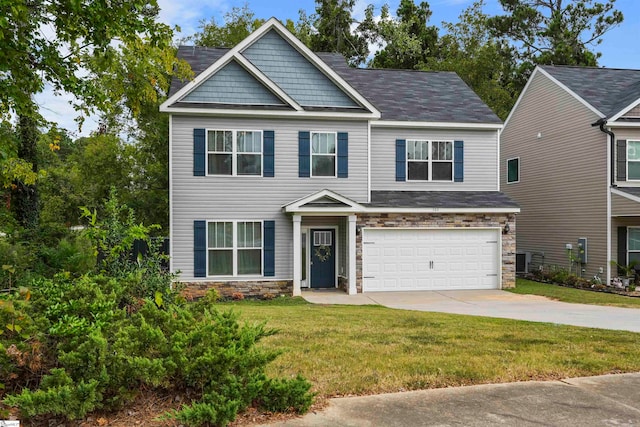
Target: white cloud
{"type": "Point", "coordinates": [187, 14]}
{"type": "Point", "coordinates": [58, 109]}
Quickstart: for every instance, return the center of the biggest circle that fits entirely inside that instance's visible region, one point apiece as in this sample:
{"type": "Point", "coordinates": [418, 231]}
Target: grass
{"type": "Point", "coordinates": [565, 294]}
{"type": "Point", "coordinates": [359, 350]}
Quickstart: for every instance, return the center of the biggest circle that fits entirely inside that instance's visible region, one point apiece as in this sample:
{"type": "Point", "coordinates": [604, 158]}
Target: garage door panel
{"type": "Point", "coordinates": [421, 259]}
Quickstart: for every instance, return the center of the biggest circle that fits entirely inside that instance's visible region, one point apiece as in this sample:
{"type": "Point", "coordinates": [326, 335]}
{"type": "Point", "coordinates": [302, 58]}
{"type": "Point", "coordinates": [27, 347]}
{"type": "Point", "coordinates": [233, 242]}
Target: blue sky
{"type": "Point", "coordinates": [620, 47]}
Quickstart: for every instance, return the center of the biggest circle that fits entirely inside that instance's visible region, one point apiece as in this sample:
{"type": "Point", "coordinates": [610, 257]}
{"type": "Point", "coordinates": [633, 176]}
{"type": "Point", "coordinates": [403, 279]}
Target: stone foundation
{"type": "Point", "coordinates": [446, 221]}
{"type": "Point", "coordinates": [250, 289]}
{"type": "Point", "coordinates": [343, 284]}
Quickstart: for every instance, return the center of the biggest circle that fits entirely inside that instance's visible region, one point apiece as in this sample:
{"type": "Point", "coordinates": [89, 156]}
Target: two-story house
{"type": "Point", "coordinates": [570, 157]}
{"type": "Point", "coordinates": [291, 170]}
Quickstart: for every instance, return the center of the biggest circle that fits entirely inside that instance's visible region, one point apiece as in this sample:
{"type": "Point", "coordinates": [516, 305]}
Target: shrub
{"type": "Point", "coordinates": [287, 395]}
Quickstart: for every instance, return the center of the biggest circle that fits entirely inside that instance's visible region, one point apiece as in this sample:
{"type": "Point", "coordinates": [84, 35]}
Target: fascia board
{"type": "Point", "coordinates": [625, 110]}
{"type": "Point", "coordinates": [623, 124]}
{"type": "Point", "coordinates": [572, 93]}
{"type": "Point", "coordinates": [625, 195]}
{"type": "Point", "coordinates": [437, 125]}
{"type": "Point", "coordinates": [265, 113]}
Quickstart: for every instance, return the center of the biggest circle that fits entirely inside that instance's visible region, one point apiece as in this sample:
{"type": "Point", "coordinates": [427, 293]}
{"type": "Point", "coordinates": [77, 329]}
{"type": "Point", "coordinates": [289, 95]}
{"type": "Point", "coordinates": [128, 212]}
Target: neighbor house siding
{"type": "Point", "coordinates": [300, 79]}
{"type": "Point", "coordinates": [232, 84]}
{"type": "Point", "coordinates": [480, 153]}
{"type": "Point", "coordinates": [563, 175]}
{"type": "Point", "coordinates": [254, 198]}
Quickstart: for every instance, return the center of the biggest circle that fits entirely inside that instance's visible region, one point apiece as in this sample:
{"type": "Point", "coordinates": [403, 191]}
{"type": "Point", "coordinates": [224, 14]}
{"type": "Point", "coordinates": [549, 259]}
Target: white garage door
{"type": "Point", "coordinates": [419, 259]}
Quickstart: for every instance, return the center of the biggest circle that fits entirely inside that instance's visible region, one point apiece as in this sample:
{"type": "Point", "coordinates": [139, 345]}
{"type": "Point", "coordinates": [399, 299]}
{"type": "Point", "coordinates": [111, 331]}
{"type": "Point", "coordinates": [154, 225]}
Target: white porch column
{"type": "Point", "coordinates": [352, 254]}
{"type": "Point", "coordinates": [297, 255]}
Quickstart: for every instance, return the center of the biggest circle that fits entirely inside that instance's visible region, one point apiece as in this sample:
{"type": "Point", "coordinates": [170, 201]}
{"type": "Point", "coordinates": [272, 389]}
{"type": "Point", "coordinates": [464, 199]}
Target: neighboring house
{"type": "Point", "coordinates": [290, 170]}
{"type": "Point", "coordinates": [570, 157]}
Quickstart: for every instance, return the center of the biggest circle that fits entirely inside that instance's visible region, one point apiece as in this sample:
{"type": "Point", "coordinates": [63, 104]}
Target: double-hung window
{"type": "Point", "coordinates": [429, 160]}
{"type": "Point", "coordinates": [633, 160]}
{"type": "Point", "coordinates": [234, 248]}
{"type": "Point", "coordinates": [323, 154]}
{"type": "Point", "coordinates": [236, 153]}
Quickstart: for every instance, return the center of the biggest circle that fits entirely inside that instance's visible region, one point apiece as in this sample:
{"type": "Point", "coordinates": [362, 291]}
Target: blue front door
{"type": "Point", "coordinates": [323, 258]}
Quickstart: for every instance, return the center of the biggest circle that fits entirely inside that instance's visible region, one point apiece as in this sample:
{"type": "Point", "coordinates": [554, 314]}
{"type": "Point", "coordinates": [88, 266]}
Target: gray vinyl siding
{"type": "Point", "coordinates": [232, 84]}
{"type": "Point", "coordinates": [480, 154]}
{"type": "Point", "coordinates": [621, 206]}
{"type": "Point", "coordinates": [626, 134]}
{"type": "Point", "coordinates": [634, 112]}
{"type": "Point", "coordinates": [300, 79]}
{"type": "Point", "coordinates": [254, 198]}
{"type": "Point", "coordinates": [563, 185]}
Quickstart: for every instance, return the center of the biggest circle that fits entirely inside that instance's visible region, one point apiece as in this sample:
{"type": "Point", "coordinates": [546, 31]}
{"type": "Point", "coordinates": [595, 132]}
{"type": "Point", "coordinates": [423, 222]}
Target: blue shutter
{"type": "Point", "coordinates": [458, 161]}
{"type": "Point", "coordinates": [198, 152]}
{"type": "Point", "coordinates": [343, 155]}
{"type": "Point", "coordinates": [200, 248]}
{"type": "Point", "coordinates": [622, 248]}
{"type": "Point", "coordinates": [268, 151]}
{"type": "Point", "coordinates": [269, 248]}
{"type": "Point", "coordinates": [401, 160]}
{"type": "Point", "coordinates": [304, 155]}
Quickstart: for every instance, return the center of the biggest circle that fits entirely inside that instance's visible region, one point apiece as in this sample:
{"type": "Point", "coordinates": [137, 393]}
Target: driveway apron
{"type": "Point", "coordinates": [492, 303]}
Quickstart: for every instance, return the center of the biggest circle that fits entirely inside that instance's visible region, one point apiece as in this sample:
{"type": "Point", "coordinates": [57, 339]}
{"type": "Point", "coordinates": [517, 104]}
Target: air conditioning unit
{"type": "Point", "coordinates": [523, 259]}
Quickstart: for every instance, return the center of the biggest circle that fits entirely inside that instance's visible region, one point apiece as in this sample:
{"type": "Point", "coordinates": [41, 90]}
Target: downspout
{"type": "Point", "coordinates": [611, 166]}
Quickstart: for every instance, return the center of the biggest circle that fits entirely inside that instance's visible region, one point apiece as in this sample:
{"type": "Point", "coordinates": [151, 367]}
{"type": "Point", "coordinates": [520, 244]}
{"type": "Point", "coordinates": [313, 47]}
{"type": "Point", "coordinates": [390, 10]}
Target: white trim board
{"type": "Point", "coordinates": [442, 125]}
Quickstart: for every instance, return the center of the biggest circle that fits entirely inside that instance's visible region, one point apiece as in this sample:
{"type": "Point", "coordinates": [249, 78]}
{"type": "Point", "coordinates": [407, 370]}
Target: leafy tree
{"type": "Point", "coordinates": [238, 24]}
{"type": "Point", "coordinates": [405, 41]}
{"type": "Point", "coordinates": [332, 22]}
{"type": "Point", "coordinates": [556, 31]}
{"type": "Point", "coordinates": [487, 64]}
{"type": "Point", "coordinates": [54, 43]}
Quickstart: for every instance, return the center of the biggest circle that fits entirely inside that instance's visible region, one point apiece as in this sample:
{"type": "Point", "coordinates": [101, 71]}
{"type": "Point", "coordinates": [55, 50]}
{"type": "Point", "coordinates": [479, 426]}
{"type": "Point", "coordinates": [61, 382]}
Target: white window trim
{"type": "Point", "coordinates": [429, 161]}
{"type": "Point", "coordinates": [517, 180]}
{"type": "Point", "coordinates": [634, 161]}
{"type": "Point", "coordinates": [234, 152]}
{"type": "Point", "coordinates": [335, 155]}
{"type": "Point", "coordinates": [235, 248]}
{"type": "Point", "coordinates": [628, 245]}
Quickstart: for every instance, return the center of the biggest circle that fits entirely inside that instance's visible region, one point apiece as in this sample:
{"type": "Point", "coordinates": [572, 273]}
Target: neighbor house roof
{"type": "Point", "coordinates": [440, 199]}
{"type": "Point", "coordinates": [400, 95]}
{"type": "Point", "coordinates": [609, 90]}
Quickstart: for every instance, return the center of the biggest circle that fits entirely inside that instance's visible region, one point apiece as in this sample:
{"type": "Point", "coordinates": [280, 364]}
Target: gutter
{"type": "Point", "coordinates": [611, 165]}
{"type": "Point", "coordinates": [601, 123]}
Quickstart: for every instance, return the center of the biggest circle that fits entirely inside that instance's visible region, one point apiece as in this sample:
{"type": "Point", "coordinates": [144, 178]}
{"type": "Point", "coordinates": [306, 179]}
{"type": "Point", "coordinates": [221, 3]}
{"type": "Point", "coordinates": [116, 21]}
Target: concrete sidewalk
{"type": "Point", "coordinates": [491, 303]}
{"type": "Point", "coordinates": [609, 400]}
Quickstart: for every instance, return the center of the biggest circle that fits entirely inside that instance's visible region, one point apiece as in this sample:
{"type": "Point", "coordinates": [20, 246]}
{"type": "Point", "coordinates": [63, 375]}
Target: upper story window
{"type": "Point", "coordinates": [234, 248]}
{"type": "Point", "coordinates": [429, 160]}
{"type": "Point", "coordinates": [235, 153]}
{"type": "Point", "coordinates": [513, 170]}
{"type": "Point", "coordinates": [323, 154]}
{"type": "Point", "coordinates": [633, 160]}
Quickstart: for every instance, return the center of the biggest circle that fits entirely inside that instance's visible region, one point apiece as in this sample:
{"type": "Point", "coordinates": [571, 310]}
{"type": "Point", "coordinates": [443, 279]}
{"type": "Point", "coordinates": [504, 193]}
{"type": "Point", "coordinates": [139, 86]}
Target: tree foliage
{"type": "Point", "coordinates": [405, 41]}
{"type": "Point", "coordinates": [239, 22]}
{"type": "Point", "coordinates": [333, 33]}
{"type": "Point", "coordinates": [486, 63]}
{"type": "Point", "coordinates": [556, 31]}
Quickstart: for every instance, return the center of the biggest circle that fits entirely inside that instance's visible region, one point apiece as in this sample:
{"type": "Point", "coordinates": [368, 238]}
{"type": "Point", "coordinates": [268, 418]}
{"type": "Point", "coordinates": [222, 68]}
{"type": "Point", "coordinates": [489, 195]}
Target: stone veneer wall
{"type": "Point", "coordinates": [257, 288]}
{"type": "Point", "coordinates": [446, 221]}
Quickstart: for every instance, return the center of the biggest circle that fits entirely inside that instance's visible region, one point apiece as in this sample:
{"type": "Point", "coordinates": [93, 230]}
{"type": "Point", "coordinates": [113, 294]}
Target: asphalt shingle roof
{"type": "Point", "coordinates": [404, 95]}
{"type": "Point", "coordinates": [441, 199]}
{"type": "Point", "coordinates": [609, 90]}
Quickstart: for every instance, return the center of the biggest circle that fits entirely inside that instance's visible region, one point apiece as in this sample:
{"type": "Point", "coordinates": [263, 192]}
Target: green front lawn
{"type": "Point", "coordinates": [565, 294]}
{"type": "Point", "coordinates": [361, 350]}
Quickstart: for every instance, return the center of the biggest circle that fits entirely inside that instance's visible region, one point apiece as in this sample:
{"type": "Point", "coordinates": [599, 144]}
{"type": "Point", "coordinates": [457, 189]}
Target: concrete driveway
{"type": "Point", "coordinates": [491, 303]}
{"type": "Point", "coordinates": [609, 400]}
